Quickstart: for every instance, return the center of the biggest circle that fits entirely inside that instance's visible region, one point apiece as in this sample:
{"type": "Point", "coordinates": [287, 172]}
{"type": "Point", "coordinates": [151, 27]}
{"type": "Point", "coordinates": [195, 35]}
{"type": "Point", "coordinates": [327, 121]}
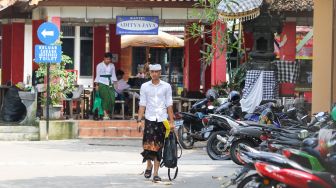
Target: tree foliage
{"type": "Point", "coordinates": [62, 81]}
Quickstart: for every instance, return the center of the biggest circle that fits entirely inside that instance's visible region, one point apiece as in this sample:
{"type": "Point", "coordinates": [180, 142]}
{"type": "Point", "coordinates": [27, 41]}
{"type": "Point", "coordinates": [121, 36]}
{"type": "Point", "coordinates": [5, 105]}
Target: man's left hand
{"type": "Point", "coordinates": [172, 126]}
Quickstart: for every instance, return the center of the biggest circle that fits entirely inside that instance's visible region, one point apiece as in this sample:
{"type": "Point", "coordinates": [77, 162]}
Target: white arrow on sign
{"type": "Point", "coordinates": [47, 33]}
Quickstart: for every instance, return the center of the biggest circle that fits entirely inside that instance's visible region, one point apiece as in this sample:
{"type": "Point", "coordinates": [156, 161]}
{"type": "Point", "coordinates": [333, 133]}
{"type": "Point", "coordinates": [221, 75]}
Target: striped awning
{"type": "Point", "coordinates": [243, 10]}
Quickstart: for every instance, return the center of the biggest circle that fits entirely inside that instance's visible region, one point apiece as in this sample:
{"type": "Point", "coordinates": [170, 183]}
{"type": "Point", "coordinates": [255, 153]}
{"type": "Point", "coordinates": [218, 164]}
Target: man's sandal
{"type": "Point", "coordinates": [156, 178]}
{"type": "Point", "coordinates": [148, 173]}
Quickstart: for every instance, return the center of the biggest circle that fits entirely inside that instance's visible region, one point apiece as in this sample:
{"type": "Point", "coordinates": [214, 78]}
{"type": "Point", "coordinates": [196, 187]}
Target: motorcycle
{"type": "Point", "coordinates": [253, 133]}
{"type": "Point", "coordinates": [222, 124]}
{"type": "Point", "coordinates": [251, 159]}
{"type": "Point", "coordinates": [235, 132]}
{"type": "Point", "coordinates": [274, 176]}
{"type": "Point", "coordinates": [191, 127]}
{"type": "Point", "coordinates": [275, 170]}
{"type": "Point", "coordinates": [277, 142]}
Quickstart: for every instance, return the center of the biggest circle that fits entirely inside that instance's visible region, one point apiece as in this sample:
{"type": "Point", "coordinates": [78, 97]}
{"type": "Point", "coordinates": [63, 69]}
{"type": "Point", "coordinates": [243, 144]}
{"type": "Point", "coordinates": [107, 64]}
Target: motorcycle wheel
{"type": "Point", "coordinates": [215, 148]}
{"type": "Point", "coordinates": [187, 142]}
{"type": "Point", "coordinates": [234, 150]}
{"type": "Point", "coordinates": [252, 181]}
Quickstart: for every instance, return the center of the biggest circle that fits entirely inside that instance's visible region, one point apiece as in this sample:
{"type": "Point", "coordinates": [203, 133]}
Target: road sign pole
{"type": "Point", "coordinates": [48, 99]}
{"type": "Point", "coordinates": [48, 33]}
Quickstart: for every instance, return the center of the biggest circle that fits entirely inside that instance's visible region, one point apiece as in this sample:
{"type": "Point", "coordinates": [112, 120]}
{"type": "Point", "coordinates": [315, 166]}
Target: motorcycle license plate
{"type": "Point", "coordinates": [178, 123]}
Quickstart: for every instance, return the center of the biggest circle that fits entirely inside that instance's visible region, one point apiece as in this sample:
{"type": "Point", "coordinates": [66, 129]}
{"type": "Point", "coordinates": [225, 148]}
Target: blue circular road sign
{"type": "Point", "coordinates": [48, 33]}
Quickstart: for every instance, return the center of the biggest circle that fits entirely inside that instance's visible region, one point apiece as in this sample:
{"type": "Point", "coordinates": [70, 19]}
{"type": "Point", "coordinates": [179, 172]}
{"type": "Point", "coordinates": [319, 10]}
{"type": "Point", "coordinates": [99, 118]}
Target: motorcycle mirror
{"type": "Point", "coordinates": [304, 117]}
{"type": "Point", "coordinates": [210, 107]}
{"type": "Point", "coordinates": [291, 109]}
{"type": "Point", "coordinates": [320, 114]}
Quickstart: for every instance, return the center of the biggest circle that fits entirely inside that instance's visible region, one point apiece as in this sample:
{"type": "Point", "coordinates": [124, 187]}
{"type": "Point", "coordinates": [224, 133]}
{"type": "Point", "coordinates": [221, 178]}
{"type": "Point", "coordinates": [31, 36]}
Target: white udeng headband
{"type": "Point", "coordinates": [155, 67]}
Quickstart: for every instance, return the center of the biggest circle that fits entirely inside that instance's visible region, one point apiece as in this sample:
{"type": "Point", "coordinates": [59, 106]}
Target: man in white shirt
{"type": "Point", "coordinates": [105, 80]}
{"type": "Point", "coordinates": [156, 103]}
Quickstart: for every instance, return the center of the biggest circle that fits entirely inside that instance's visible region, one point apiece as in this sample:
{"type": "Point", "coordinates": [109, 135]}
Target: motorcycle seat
{"type": "Point", "coordinates": [190, 116]}
{"type": "Point", "coordinates": [252, 123]}
{"type": "Point", "coordinates": [290, 131]}
{"type": "Point", "coordinates": [287, 142]}
{"type": "Point", "coordinates": [290, 136]}
{"type": "Point", "coordinates": [273, 158]}
{"type": "Point", "coordinates": [285, 138]}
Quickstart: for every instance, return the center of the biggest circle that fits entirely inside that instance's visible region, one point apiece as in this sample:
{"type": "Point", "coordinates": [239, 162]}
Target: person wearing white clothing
{"type": "Point", "coordinates": [156, 103]}
{"type": "Point", "coordinates": [105, 81]}
{"type": "Point", "coordinates": [122, 84]}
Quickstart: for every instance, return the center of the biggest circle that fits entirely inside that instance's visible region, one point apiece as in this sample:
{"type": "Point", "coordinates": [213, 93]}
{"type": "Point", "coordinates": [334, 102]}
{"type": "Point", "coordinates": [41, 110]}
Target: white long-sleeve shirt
{"type": "Point", "coordinates": [103, 69]}
{"type": "Point", "coordinates": [156, 99]}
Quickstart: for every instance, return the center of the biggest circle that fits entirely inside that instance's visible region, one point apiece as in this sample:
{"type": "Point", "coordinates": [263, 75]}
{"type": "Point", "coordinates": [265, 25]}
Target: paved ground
{"type": "Point", "coordinates": [99, 163]}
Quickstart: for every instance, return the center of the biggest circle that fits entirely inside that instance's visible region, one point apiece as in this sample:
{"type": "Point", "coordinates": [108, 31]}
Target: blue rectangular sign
{"type": "Point", "coordinates": [48, 54]}
{"type": "Point", "coordinates": [137, 25]}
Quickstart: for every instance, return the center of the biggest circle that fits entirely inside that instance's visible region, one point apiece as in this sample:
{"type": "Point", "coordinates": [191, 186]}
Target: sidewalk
{"type": "Point", "coordinates": [98, 163]}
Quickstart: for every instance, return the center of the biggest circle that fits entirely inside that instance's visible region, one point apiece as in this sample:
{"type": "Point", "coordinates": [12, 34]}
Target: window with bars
{"type": "Point", "coordinates": [68, 43]}
{"type": "Point", "coordinates": [68, 31]}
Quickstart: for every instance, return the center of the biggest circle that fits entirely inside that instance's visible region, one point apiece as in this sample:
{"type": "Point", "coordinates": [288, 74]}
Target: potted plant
{"type": "Point", "coordinates": [62, 82]}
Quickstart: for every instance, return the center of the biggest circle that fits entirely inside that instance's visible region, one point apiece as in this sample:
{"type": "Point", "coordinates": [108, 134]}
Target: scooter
{"type": "Point", "coordinates": [270, 175]}
{"type": "Point", "coordinates": [253, 134]}
{"type": "Point", "coordinates": [250, 156]}
{"type": "Point", "coordinates": [275, 170]}
{"type": "Point", "coordinates": [222, 124]}
{"type": "Point", "coordinates": [191, 126]}
{"type": "Point", "coordinates": [200, 127]}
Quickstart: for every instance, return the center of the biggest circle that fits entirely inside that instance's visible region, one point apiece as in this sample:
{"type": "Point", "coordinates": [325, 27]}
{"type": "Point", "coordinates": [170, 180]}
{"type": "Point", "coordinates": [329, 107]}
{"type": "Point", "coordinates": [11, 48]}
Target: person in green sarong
{"type": "Point", "coordinates": [105, 81]}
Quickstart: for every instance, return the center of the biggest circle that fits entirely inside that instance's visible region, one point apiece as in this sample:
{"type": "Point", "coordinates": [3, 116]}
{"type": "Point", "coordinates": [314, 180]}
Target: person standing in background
{"type": "Point", "coordinates": [105, 81]}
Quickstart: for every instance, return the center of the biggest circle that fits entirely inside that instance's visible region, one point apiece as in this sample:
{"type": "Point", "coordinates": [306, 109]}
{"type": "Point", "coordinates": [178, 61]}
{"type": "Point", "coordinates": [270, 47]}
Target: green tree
{"type": "Point", "coordinates": [206, 12]}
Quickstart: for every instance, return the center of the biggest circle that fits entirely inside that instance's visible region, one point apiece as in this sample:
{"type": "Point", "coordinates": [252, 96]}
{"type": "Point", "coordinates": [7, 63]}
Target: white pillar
{"type": "Point", "coordinates": [77, 51]}
{"type": "Point", "coordinates": [28, 59]}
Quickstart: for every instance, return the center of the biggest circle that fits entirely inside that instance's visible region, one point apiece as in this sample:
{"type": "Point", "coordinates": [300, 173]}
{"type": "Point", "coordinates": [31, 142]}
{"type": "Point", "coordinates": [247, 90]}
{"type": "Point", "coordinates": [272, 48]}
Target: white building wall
{"type": "Point", "coordinates": [103, 12]}
{"type": "Point", "coordinates": [99, 13]}
{"type": "Point", "coordinates": [53, 12]}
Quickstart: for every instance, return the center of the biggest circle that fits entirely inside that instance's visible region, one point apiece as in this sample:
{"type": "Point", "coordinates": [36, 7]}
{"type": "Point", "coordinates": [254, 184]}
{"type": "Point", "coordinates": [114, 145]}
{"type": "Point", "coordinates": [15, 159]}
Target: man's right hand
{"type": "Point", "coordinates": [140, 126]}
{"type": "Point", "coordinates": [97, 87]}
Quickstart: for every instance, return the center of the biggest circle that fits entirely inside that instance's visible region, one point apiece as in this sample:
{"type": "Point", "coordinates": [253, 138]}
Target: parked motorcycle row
{"type": "Point", "coordinates": [276, 147]}
{"type": "Point", "coordinates": [294, 159]}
